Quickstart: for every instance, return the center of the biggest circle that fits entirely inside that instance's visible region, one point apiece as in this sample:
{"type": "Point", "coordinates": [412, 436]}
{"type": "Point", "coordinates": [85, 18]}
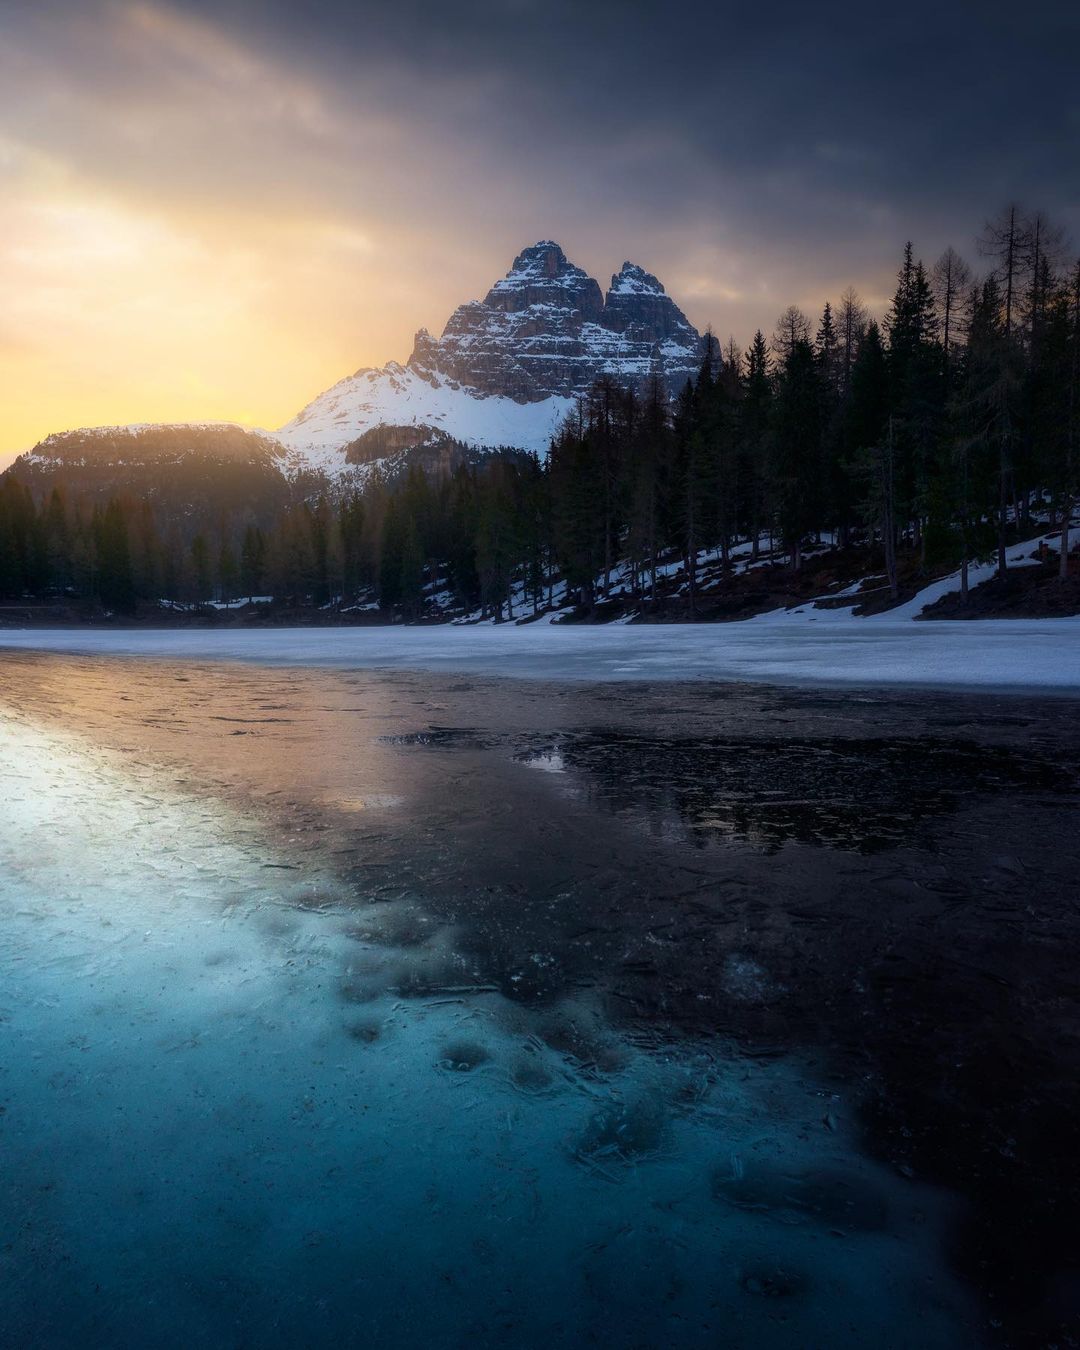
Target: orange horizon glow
{"type": "Point", "coordinates": [196, 229]}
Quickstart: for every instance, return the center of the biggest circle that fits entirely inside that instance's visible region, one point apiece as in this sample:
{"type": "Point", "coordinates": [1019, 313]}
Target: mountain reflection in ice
{"type": "Point", "coordinates": [249, 1102]}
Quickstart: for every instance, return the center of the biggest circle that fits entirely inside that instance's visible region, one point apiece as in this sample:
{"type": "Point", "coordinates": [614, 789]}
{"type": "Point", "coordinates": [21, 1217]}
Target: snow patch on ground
{"type": "Point", "coordinates": [1024, 554]}
{"type": "Point", "coordinates": [992, 654]}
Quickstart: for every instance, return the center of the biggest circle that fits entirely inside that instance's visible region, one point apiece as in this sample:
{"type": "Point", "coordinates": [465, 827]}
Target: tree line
{"type": "Point", "coordinates": [937, 435]}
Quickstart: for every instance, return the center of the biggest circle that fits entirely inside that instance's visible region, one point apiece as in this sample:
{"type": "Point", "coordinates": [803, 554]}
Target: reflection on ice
{"type": "Point", "coordinates": [245, 1105]}
{"type": "Point", "coordinates": [848, 793]}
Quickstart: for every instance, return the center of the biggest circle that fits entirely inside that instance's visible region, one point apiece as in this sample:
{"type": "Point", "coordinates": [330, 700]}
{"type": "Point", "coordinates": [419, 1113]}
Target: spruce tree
{"type": "Point", "coordinates": [116, 584]}
{"type": "Point", "coordinates": [754, 421]}
{"type": "Point", "coordinates": [202, 572]}
{"type": "Point", "coordinates": [252, 561]}
{"type": "Point", "coordinates": [795, 437]}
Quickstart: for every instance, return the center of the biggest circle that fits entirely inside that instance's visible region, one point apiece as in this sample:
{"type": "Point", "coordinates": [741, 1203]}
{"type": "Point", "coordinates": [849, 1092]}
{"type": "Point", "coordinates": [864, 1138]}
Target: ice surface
{"type": "Point", "coordinates": [224, 1124]}
{"type": "Point", "coordinates": [1002, 654]}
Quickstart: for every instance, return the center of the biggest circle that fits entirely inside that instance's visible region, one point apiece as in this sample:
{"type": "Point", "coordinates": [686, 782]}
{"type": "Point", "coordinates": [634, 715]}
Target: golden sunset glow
{"type": "Point", "coordinates": [194, 227]}
{"type": "Point", "coordinates": [215, 214]}
{"type": "Point", "coordinates": [156, 258]}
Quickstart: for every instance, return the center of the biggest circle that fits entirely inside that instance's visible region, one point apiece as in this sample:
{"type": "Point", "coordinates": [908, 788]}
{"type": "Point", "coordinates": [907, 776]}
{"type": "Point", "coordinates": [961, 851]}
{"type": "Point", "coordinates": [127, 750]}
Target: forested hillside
{"type": "Point", "coordinates": [906, 446]}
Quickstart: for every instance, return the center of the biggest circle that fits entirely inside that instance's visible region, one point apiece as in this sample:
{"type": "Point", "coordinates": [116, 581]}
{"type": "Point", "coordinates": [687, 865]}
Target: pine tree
{"type": "Point", "coordinates": [411, 584]}
{"type": "Point", "coordinates": [252, 561]}
{"type": "Point", "coordinates": [851, 327]}
{"type": "Point", "coordinates": [116, 584]}
{"type": "Point", "coordinates": [795, 443]}
{"type": "Point", "coordinates": [392, 555]}
{"type": "Point", "coordinates": [986, 406]}
{"type": "Point", "coordinates": [754, 420]}
{"type": "Point", "coordinates": [792, 327]}
{"type": "Point", "coordinates": [22, 553]}
{"type": "Point", "coordinates": [649, 461]}
{"type": "Point", "coordinates": [202, 573]}
{"type": "Point", "coordinates": [917, 394]}
{"type": "Point", "coordinates": [1004, 239]}
{"type": "Point", "coordinates": [1070, 465]}
{"type": "Point", "coordinates": [227, 570]}
{"type": "Point", "coordinates": [58, 540]}
{"type": "Point", "coordinates": [827, 351]}
{"type": "Point", "coordinates": [830, 371]}
{"type": "Point", "coordinates": [951, 279]}
{"type": "Point", "coordinates": [576, 487]}
{"type": "Point", "coordinates": [870, 438]}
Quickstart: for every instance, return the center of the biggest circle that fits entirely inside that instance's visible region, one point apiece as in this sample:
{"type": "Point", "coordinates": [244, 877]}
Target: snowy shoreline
{"type": "Point", "coordinates": [991, 655]}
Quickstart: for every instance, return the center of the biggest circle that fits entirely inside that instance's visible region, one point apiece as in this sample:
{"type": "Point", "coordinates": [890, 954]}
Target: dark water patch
{"type": "Point", "coordinates": [406, 929]}
{"type": "Point", "coordinates": [463, 1056]}
{"type": "Point", "coordinates": [776, 1282]}
{"type": "Point", "coordinates": [217, 717]}
{"type": "Point", "coordinates": [435, 974]}
{"type": "Point", "coordinates": [365, 1030]}
{"type": "Point", "coordinates": [976, 720]}
{"type": "Point", "coordinates": [440, 738]}
{"type": "Point", "coordinates": [826, 1197]}
{"type": "Point", "coordinates": [530, 1074]}
{"type": "Point", "coordinates": [857, 794]}
{"type": "Point", "coordinates": [355, 990]}
{"type": "Point", "coordinates": [590, 1050]}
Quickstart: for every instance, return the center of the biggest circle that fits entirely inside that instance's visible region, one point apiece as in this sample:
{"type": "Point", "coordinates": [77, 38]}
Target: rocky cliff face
{"type": "Point", "coordinates": [508, 368]}
{"type": "Point", "coordinates": [546, 330]}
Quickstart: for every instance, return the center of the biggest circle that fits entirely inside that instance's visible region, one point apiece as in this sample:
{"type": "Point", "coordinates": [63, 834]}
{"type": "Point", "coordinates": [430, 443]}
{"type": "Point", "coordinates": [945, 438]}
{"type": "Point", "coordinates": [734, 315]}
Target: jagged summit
{"type": "Point", "coordinates": [631, 279]}
{"type": "Point", "coordinates": [506, 368]}
{"type": "Point", "coordinates": [541, 276]}
{"type": "Point", "coordinates": [546, 330]}
{"type": "Point", "coordinates": [638, 306]}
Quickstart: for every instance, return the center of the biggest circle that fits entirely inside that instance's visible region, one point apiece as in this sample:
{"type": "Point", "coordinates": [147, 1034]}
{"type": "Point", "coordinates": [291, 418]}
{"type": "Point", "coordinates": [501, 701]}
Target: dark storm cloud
{"type": "Point", "coordinates": [805, 141]}
{"type": "Point", "coordinates": [931, 104]}
{"type": "Point", "coordinates": [324, 178]}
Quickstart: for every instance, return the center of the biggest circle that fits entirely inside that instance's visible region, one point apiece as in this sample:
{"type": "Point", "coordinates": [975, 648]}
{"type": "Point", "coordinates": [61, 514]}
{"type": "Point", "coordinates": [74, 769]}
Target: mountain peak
{"type": "Point", "coordinates": [507, 367]}
{"type": "Point", "coordinates": [634, 280]}
{"type": "Point", "coordinates": [546, 330]}
{"type": "Point", "coordinates": [545, 257]}
{"type": "Point", "coordinates": [543, 276]}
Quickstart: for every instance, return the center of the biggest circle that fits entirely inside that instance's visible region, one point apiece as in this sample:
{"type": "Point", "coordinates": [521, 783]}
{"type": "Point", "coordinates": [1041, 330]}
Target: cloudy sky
{"type": "Point", "coordinates": [214, 209]}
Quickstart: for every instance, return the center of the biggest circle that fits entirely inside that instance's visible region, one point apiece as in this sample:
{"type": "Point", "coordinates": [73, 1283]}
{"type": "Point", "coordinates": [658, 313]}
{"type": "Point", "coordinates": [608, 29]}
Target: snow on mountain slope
{"type": "Point", "coordinates": [503, 375]}
{"type": "Point", "coordinates": [508, 368]}
{"type": "Point", "coordinates": [399, 396]}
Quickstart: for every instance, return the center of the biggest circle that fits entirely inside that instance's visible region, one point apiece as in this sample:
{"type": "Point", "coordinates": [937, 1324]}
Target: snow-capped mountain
{"type": "Point", "coordinates": [508, 368]}
{"type": "Point", "coordinates": [505, 372]}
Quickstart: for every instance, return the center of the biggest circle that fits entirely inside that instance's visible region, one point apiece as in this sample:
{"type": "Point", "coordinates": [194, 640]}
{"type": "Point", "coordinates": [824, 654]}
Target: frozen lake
{"type": "Point", "coordinates": [429, 1009]}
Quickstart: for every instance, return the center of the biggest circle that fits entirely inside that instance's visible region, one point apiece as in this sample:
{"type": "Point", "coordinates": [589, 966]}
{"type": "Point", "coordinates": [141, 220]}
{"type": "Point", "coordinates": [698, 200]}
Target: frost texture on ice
{"type": "Point", "coordinates": [220, 1113]}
